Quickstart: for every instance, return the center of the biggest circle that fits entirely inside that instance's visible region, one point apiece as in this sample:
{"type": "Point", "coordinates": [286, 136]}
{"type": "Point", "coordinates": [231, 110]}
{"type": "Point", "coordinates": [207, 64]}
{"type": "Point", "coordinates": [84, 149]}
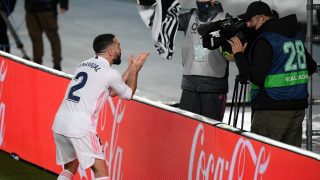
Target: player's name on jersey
{"type": "Point", "coordinates": [95, 66]}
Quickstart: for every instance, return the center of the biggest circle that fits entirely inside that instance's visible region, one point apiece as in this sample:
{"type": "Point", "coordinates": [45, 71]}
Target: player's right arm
{"type": "Point", "coordinates": [125, 77]}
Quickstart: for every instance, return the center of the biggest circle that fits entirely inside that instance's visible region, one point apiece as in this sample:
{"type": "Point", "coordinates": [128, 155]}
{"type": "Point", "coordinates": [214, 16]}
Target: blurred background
{"type": "Point", "coordinates": [160, 79]}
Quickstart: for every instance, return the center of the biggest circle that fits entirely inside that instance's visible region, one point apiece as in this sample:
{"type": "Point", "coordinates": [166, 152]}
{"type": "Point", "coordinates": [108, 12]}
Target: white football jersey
{"type": "Point", "coordinates": [86, 94]}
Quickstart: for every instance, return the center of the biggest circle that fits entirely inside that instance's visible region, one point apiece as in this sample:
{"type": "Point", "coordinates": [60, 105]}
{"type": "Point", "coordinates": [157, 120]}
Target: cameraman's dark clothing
{"type": "Point", "coordinates": [7, 7]}
{"type": "Point", "coordinates": [45, 5]}
{"type": "Point", "coordinates": [277, 118]}
{"type": "Point", "coordinates": [205, 73]}
{"type": "Point", "coordinates": [41, 16]}
{"type": "Point", "coordinates": [262, 55]}
{"type": "Point", "coordinates": [204, 84]}
{"type": "Point", "coordinates": [208, 104]}
{"type": "Point", "coordinates": [284, 125]}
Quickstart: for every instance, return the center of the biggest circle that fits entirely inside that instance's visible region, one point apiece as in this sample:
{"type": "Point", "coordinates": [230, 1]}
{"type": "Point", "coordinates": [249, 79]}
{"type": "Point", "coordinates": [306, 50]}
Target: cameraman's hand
{"type": "Point", "coordinates": [237, 45]}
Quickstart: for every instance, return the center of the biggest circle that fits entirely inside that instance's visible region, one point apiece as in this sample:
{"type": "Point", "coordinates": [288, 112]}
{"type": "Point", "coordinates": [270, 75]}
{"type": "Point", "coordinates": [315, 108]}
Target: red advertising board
{"type": "Point", "coordinates": [141, 140]}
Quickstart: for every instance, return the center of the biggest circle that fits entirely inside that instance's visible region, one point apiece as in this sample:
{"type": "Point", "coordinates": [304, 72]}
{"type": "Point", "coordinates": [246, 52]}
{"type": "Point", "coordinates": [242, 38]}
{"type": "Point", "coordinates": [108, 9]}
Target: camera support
{"type": "Point", "coordinates": [236, 100]}
{"type": "Point", "coordinates": [13, 33]}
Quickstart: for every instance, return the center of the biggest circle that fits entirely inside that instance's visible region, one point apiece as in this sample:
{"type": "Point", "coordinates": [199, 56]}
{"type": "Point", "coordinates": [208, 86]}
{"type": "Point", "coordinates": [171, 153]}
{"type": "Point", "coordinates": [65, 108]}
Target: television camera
{"type": "Point", "coordinates": [216, 34]}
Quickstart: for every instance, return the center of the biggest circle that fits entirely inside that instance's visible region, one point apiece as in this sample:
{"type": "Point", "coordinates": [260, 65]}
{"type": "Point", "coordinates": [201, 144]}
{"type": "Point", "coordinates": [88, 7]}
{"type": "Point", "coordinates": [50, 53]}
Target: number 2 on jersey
{"type": "Point", "coordinates": [81, 84]}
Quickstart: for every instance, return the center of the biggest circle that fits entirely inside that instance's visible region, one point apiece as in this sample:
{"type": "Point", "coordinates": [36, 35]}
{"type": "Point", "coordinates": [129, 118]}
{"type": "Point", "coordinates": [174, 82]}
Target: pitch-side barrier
{"type": "Point", "coordinates": [142, 139]}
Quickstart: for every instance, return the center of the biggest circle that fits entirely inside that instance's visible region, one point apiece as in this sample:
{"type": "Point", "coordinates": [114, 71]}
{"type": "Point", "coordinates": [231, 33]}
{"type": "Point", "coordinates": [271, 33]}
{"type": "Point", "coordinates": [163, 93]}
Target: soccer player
{"type": "Point", "coordinates": [75, 123]}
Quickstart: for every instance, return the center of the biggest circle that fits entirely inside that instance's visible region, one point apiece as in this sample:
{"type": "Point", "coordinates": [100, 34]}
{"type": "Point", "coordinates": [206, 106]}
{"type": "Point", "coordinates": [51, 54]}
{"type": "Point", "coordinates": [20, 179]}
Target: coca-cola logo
{"type": "Point", "coordinates": [113, 152]}
{"type": "Point", "coordinates": [114, 156]}
{"type": "Point", "coordinates": [219, 167]}
{"type": "Point", "coordinates": [3, 72]}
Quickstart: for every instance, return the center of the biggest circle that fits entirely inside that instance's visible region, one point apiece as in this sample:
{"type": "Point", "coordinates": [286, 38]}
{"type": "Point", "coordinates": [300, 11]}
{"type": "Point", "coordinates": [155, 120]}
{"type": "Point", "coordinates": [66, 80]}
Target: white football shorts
{"type": "Point", "coordinates": [86, 149]}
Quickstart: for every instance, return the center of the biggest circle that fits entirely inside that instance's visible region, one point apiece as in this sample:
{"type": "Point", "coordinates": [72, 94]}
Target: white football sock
{"type": "Point", "coordinates": [65, 175]}
{"type": "Point", "coordinates": [103, 178]}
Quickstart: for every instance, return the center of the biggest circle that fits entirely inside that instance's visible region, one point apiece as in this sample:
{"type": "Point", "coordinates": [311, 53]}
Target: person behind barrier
{"type": "Point", "coordinates": [7, 7]}
{"type": "Point", "coordinates": [278, 66]}
{"type": "Point", "coordinates": [42, 16]}
{"type": "Point", "coordinates": [74, 126]}
{"type": "Point", "coordinates": [205, 72]}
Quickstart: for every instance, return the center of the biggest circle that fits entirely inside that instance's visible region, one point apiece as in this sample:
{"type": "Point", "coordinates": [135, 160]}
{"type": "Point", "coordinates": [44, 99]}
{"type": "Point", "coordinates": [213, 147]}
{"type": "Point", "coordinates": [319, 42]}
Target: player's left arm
{"type": "Point", "coordinates": [126, 74]}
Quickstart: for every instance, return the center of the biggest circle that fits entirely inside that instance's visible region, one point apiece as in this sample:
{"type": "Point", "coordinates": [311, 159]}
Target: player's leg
{"type": "Point", "coordinates": [90, 154]}
{"type": "Point", "coordinates": [100, 169]}
{"type": "Point", "coordinates": [69, 170]}
{"type": "Point", "coordinates": [66, 156]}
{"type": "Point", "coordinates": [65, 175]}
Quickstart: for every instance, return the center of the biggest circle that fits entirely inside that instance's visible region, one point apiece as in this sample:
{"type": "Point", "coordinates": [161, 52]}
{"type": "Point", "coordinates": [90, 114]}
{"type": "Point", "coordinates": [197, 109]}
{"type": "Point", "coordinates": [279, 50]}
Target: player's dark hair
{"type": "Point", "coordinates": [102, 41]}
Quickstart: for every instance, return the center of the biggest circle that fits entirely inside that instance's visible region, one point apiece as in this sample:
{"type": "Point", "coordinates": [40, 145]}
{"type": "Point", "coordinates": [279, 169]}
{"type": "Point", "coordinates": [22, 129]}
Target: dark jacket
{"type": "Point", "coordinates": [45, 5]}
{"type": "Point", "coordinates": [262, 55]}
{"type": "Point", "coordinates": [7, 6]}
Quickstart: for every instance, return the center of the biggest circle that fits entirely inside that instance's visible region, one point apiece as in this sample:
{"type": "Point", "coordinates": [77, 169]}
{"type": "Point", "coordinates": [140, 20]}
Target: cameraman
{"type": "Point", "coordinates": [205, 72]}
{"type": "Point", "coordinates": [277, 65]}
{"type": "Point", "coordinates": [42, 17]}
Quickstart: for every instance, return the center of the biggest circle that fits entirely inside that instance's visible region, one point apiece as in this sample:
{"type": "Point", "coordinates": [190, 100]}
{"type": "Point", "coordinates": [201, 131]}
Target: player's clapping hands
{"type": "Point", "coordinates": [137, 62]}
